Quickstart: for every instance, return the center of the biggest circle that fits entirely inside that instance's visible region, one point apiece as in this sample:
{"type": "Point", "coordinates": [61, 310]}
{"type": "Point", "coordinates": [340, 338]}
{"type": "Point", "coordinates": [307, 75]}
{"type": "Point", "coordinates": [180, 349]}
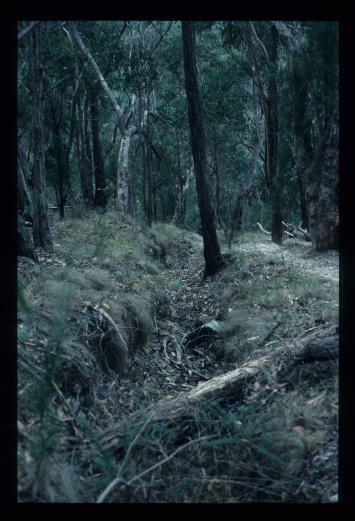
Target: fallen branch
{"type": "Point", "coordinates": [262, 342]}
{"type": "Point", "coordinates": [219, 388]}
{"type": "Point", "coordinates": [262, 229]}
{"type": "Point", "coordinates": [226, 388]}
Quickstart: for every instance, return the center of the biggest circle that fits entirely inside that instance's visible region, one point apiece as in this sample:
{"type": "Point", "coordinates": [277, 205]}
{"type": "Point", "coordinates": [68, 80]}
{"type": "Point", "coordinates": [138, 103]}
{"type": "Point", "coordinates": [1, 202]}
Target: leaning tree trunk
{"type": "Point", "coordinates": [212, 254]}
{"type": "Point", "coordinates": [41, 230]}
{"type": "Point", "coordinates": [25, 246]}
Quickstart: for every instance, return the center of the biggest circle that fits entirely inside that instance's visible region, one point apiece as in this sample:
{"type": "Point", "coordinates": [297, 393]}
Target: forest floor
{"type": "Point", "coordinates": [267, 299]}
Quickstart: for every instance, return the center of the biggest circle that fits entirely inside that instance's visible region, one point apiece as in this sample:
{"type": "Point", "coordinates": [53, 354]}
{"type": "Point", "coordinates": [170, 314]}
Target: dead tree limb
{"type": "Point", "coordinates": [262, 229]}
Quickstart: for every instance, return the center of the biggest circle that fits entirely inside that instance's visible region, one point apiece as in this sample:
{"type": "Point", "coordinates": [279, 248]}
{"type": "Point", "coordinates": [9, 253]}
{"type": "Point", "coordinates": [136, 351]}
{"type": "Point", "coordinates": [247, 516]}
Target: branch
{"type": "Point", "coordinates": [75, 35]}
{"type": "Point", "coordinates": [260, 42]}
{"type": "Point", "coordinates": [118, 480]}
{"type": "Point", "coordinates": [262, 229]}
{"type": "Point", "coordinates": [27, 31]}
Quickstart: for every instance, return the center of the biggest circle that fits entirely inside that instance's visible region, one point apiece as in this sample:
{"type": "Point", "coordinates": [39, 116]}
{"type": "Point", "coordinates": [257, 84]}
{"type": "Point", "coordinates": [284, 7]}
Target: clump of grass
{"type": "Point", "coordinates": [138, 315]}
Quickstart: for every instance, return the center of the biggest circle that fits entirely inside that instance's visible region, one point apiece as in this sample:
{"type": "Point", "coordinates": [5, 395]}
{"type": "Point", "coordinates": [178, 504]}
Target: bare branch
{"type": "Point", "coordinates": [27, 31]}
{"type": "Point", "coordinates": [118, 480]}
{"type": "Point", "coordinates": [76, 37]}
{"type": "Point", "coordinates": [259, 41]}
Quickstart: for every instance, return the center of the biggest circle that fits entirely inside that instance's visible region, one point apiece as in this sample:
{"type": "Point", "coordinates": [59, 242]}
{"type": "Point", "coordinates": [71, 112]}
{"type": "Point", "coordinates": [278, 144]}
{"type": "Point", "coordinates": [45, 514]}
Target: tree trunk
{"type": "Point", "coordinates": [25, 246]}
{"type": "Point", "coordinates": [100, 179]}
{"type": "Point", "coordinates": [317, 171]}
{"type": "Point", "coordinates": [212, 254]}
{"type": "Point", "coordinates": [244, 189]}
{"type": "Point", "coordinates": [273, 130]}
{"type": "Point", "coordinates": [41, 230]}
{"type": "Point", "coordinates": [269, 106]}
{"type": "Point", "coordinates": [124, 177]}
{"type": "Point", "coordinates": [84, 167]}
{"type": "Point", "coordinates": [148, 196]}
{"type": "Point", "coordinates": [181, 199]}
{"type": "Point", "coordinates": [326, 230]}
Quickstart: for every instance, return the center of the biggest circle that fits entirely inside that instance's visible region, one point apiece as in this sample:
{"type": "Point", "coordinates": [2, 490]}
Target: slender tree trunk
{"type": "Point", "coordinates": [244, 189]}
{"type": "Point", "coordinates": [181, 199]}
{"type": "Point", "coordinates": [123, 200]}
{"type": "Point", "coordinates": [273, 130]}
{"type": "Point", "coordinates": [212, 254]}
{"type": "Point", "coordinates": [41, 231]}
{"type": "Point", "coordinates": [148, 171]}
{"type": "Point", "coordinates": [326, 232]}
{"type": "Point", "coordinates": [124, 174]}
{"type": "Point", "coordinates": [25, 246]}
{"type": "Point", "coordinates": [100, 179]}
{"type": "Point", "coordinates": [84, 167]}
{"type": "Point", "coordinates": [303, 203]}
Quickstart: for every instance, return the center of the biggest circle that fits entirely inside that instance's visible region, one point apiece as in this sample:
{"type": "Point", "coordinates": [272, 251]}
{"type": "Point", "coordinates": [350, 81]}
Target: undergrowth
{"type": "Point", "coordinates": [92, 353]}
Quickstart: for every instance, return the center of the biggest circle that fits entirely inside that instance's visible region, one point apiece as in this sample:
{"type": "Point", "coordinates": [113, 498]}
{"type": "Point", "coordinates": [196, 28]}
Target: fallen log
{"type": "Point", "coordinates": [291, 231]}
{"type": "Point", "coordinates": [223, 389]}
{"type": "Point", "coordinates": [319, 350]}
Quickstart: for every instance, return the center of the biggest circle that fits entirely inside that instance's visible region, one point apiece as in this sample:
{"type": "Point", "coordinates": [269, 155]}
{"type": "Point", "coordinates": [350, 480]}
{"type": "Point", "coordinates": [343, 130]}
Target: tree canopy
{"type": "Point", "coordinates": [116, 129]}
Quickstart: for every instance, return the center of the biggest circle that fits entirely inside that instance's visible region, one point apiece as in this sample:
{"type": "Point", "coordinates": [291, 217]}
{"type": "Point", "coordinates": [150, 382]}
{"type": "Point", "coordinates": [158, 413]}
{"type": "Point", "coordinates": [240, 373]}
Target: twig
{"type": "Point", "coordinates": [118, 480]}
{"type": "Point", "coordinates": [262, 342]}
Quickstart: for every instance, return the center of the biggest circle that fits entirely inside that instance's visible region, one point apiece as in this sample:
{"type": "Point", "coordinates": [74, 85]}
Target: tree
{"type": "Point", "coordinates": [139, 97]}
{"type": "Point", "coordinates": [212, 254]}
{"type": "Point", "coordinates": [123, 169]}
{"type": "Point", "coordinates": [41, 230]}
{"type": "Point", "coordinates": [25, 247]}
{"type": "Point", "coordinates": [316, 127]}
{"type": "Point", "coordinates": [269, 104]}
{"type": "Point", "coordinates": [100, 179]}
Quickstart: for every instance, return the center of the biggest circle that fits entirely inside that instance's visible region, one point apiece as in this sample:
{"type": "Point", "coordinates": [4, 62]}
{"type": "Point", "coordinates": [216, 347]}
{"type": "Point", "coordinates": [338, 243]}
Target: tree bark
{"type": "Point", "coordinates": [272, 152]}
{"type": "Point", "coordinates": [212, 254]}
{"type": "Point", "coordinates": [100, 179]}
{"type": "Point", "coordinates": [181, 199]}
{"type": "Point", "coordinates": [326, 232]}
{"type": "Point", "coordinates": [25, 246]}
{"type": "Point", "coordinates": [41, 231]}
{"type": "Point", "coordinates": [84, 166]}
{"type": "Point", "coordinates": [269, 107]}
{"type": "Point", "coordinates": [317, 171]}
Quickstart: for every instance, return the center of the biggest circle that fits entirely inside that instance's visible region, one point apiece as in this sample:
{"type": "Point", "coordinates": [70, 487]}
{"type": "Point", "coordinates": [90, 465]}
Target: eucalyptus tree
{"type": "Point", "coordinates": [212, 254]}
{"type": "Point", "coordinates": [60, 113]}
{"type": "Point", "coordinates": [170, 129]}
{"type": "Point", "coordinates": [234, 123]}
{"type": "Point", "coordinates": [134, 89]}
{"type": "Point", "coordinates": [261, 40]}
{"type": "Point", "coordinates": [314, 69]}
{"type": "Point", "coordinates": [25, 245]}
{"type": "Point", "coordinates": [41, 230]}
